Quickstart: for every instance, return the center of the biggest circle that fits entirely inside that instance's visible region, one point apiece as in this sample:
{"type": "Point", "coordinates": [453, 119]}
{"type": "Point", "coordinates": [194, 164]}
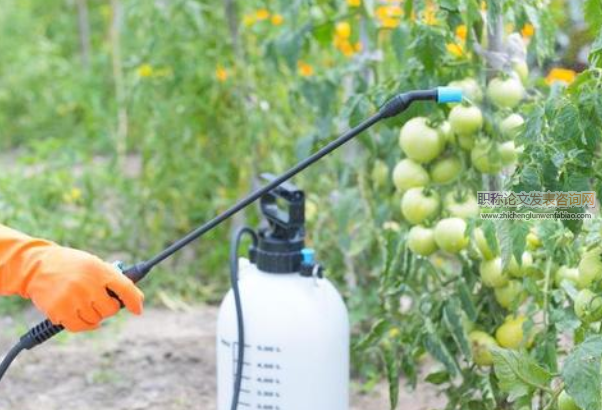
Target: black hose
{"type": "Point", "coordinates": [234, 248]}
{"type": "Point", "coordinates": [10, 357]}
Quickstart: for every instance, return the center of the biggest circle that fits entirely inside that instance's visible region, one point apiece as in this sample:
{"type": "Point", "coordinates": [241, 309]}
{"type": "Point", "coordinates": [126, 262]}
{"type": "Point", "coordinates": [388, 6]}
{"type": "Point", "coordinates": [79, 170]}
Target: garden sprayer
{"type": "Point", "coordinates": [296, 352]}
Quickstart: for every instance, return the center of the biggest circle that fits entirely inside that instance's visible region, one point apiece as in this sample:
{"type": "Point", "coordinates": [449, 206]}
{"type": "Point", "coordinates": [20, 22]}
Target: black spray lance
{"type": "Point", "coordinates": [46, 330]}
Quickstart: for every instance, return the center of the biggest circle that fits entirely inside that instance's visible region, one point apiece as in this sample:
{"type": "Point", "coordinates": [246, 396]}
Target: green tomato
{"type": "Point", "coordinates": [511, 126]}
{"type": "Point", "coordinates": [481, 344]}
{"type": "Point", "coordinates": [510, 295]}
{"type": "Point", "coordinates": [486, 157]}
{"type": "Point", "coordinates": [409, 174]}
{"type": "Point", "coordinates": [419, 141]}
{"type": "Point", "coordinates": [380, 173]}
{"type": "Point", "coordinates": [492, 273]}
{"type": "Point", "coordinates": [418, 206]}
{"type": "Point", "coordinates": [446, 133]}
{"type": "Point", "coordinates": [533, 241]}
{"type": "Point", "coordinates": [566, 402]}
{"type": "Point", "coordinates": [461, 206]}
{"type": "Point", "coordinates": [450, 234]}
{"type": "Point", "coordinates": [466, 142]}
{"type": "Point", "coordinates": [525, 268]}
{"type": "Point", "coordinates": [508, 153]}
{"type": "Point", "coordinates": [590, 268]}
{"type": "Point", "coordinates": [465, 120]}
{"type": "Point", "coordinates": [421, 240]}
{"type": "Point", "coordinates": [566, 273]}
{"type": "Point", "coordinates": [510, 334]}
{"type": "Point", "coordinates": [522, 69]}
{"type": "Point", "coordinates": [588, 306]}
{"type": "Point", "coordinates": [482, 245]}
{"type": "Point", "coordinates": [446, 170]}
{"type": "Point", "coordinates": [470, 88]}
{"type": "Point", "coordinates": [505, 93]}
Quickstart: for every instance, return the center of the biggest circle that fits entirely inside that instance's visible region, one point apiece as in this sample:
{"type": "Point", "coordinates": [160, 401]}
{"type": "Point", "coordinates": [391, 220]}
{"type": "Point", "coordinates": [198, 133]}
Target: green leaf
{"type": "Point", "coordinates": [438, 378]}
{"type": "Point", "coordinates": [429, 46]}
{"type": "Point", "coordinates": [592, 10]}
{"type": "Point", "coordinates": [399, 42]}
{"type": "Point", "coordinates": [595, 56]}
{"type": "Point", "coordinates": [375, 334]}
{"type": "Point", "coordinates": [467, 301]}
{"type": "Point", "coordinates": [518, 374]}
{"type": "Point", "coordinates": [323, 34]}
{"type": "Point", "coordinates": [392, 366]}
{"type": "Point", "coordinates": [581, 374]}
{"type": "Point", "coordinates": [490, 236]}
{"type": "Point", "coordinates": [435, 346]}
{"type": "Point", "coordinates": [452, 315]}
{"type": "Point", "coordinates": [512, 236]}
{"type": "Point", "coordinates": [450, 5]}
{"type": "Point", "coordinates": [487, 392]}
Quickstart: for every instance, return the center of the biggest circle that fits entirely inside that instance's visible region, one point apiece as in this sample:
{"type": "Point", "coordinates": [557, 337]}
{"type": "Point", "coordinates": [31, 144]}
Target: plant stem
{"type": "Point", "coordinates": [546, 292]}
{"type": "Point", "coordinates": [120, 95]}
{"type": "Point", "coordinates": [554, 399]}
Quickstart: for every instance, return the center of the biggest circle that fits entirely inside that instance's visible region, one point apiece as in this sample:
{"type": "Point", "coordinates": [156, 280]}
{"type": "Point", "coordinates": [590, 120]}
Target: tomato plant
{"type": "Point", "coordinates": [192, 100]}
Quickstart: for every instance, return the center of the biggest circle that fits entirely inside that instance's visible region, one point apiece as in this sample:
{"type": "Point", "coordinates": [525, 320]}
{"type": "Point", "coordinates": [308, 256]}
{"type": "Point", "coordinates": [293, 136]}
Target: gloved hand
{"type": "Point", "coordinates": [69, 286]}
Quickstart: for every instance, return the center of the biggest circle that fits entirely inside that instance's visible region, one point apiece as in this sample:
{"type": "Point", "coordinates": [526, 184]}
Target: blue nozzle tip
{"type": "Point", "coordinates": [449, 95]}
{"type": "Point", "coordinates": [308, 255]}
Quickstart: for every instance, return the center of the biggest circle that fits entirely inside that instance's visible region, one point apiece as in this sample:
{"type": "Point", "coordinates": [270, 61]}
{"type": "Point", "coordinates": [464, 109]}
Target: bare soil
{"type": "Point", "coordinates": [164, 360]}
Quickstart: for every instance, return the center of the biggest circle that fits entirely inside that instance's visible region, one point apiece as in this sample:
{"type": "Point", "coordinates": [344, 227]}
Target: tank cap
{"type": "Point", "coordinates": [309, 256]}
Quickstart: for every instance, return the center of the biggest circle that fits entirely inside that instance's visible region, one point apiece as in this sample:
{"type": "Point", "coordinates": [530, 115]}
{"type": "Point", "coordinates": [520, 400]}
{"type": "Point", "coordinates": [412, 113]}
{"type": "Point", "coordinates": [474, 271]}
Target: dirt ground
{"type": "Point", "coordinates": [163, 360]}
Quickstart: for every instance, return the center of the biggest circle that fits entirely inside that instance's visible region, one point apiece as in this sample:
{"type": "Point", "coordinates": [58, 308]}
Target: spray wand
{"type": "Point", "coordinates": [398, 104]}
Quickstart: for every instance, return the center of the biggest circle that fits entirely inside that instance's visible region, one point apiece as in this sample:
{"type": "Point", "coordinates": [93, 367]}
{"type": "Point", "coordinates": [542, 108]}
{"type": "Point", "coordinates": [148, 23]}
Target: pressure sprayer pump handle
{"type": "Point", "coordinates": [393, 107]}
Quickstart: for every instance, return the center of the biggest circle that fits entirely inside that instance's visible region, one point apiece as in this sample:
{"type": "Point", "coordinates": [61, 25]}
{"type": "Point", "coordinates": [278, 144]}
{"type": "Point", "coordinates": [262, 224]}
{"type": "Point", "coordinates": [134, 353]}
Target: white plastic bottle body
{"type": "Point", "coordinates": [297, 343]}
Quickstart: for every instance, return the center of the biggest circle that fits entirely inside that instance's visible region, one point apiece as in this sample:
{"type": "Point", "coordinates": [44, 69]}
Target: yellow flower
{"type": "Point", "coordinates": [248, 20]}
{"type": "Point", "coordinates": [277, 19]}
{"type": "Point", "coordinates": [221, 74]}
{"type": "Point", "coordinates": [354, 3]}
{"type": "Point", "coordinates": [455, 49]}
{"type": "Point", "coordinates": [347, 49]}
{"type": "Point", "coordinates": [461, 31]}
{"type": "Point", "coordinates": [72, 196]}
{"type": "Point", "coordinates": [383, 12]}
{"type": "Point", "coordinates": [343, 30]}
{"type": "Point", "coordinates": [358, 46]}
{"type": "Point", "coordinates": [262, 14]}
{"type": "Point", "coordinates": [145, 70]}
{"type": "Point", "coordinates": [561, 75]}
{"type": "Point", "coordinates": [305, 70]}
{"type": "Point", "coordinates": [528, 30]}
{"type": "Point", "coordinates": [389, 22]}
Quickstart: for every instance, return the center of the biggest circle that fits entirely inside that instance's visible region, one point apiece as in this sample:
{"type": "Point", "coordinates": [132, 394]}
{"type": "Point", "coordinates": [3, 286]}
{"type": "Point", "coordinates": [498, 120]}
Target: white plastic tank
{"type": "Point", "coordinates": [297, 343]}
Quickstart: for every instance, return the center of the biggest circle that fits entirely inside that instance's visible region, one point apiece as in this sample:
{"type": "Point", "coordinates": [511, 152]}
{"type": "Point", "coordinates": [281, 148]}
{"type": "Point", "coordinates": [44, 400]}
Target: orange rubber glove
{"type": "Point", "coordinates": [69, 286]}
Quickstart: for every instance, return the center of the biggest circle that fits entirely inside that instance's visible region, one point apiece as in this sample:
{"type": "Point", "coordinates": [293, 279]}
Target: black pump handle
{"type": "Point", "coordinates": [287, 220]}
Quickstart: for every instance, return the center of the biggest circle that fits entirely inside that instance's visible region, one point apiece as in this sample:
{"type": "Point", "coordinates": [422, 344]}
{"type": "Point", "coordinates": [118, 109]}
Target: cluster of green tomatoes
{"type": "Point", "coordinates": [434, 199]}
